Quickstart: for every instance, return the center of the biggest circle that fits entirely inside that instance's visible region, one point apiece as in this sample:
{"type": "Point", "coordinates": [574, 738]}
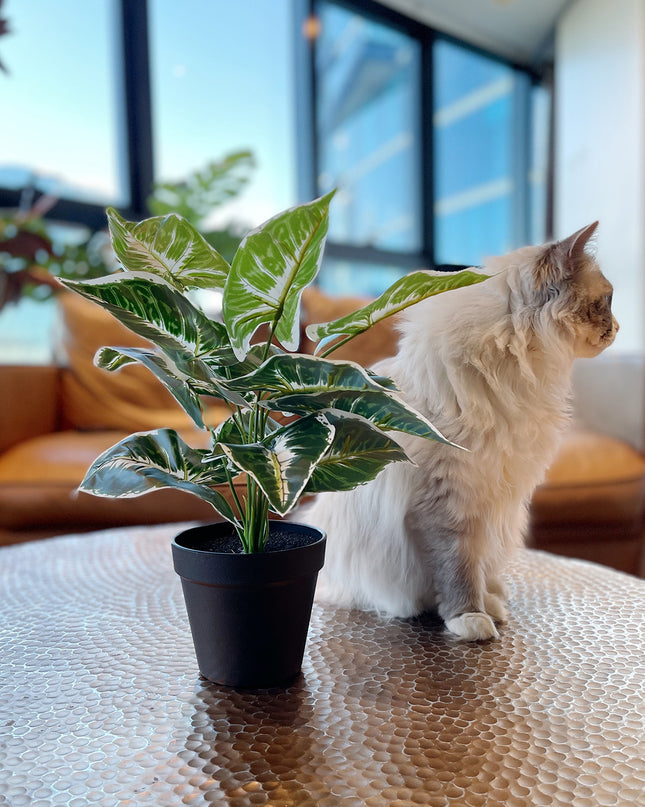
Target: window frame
{"type": "Point", "coordinates": [134, 122]}
{"type": "Point", "coordinates": [134, 119]}
{"type": "Point", "coordinates": [525, 79]}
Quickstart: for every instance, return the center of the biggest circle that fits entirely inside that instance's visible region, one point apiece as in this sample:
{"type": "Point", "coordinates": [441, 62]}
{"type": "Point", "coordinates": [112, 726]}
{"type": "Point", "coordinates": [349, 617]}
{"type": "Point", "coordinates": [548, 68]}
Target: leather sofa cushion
{"type": "Point", "coordinates": [378, 343]}
{"type": "Point", "coordinates": [39, 478]}
{"type": "Point", "coordinates": [59, 457]}
{"type": "Point", "coordinates": [588, 457]}
{"type": "Point", "coordinates": [595, 478]}
{"type": "Point", "coordinates": [29, 402]}
{"type": "Point", "coordinates": [130, 399]}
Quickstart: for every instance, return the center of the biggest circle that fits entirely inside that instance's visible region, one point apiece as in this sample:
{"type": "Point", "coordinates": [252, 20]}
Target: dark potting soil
{"type": "Point", "coordinates": [277, 542]}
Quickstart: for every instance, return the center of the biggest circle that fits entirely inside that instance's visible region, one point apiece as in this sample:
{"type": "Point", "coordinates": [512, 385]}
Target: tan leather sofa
{"type": "Point", "coordinates": [56, 419]}
{"type": "Point", "coordinates": [592, 503]}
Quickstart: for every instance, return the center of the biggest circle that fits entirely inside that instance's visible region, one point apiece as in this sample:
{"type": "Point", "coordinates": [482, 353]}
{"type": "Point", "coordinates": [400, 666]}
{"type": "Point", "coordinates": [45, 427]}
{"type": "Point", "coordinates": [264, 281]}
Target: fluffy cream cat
{"type": "Point", "coordinates": [490, 366]}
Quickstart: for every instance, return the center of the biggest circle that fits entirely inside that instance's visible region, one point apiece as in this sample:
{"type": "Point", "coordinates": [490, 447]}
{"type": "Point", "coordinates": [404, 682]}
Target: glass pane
{"type": "Point", "coordinates": [59, 123]}
{"type": "Point", "coordinates": [367, 127]}
{"type": "Point", "coordinates": [338, 277]}
{"type": "Point", "coordinates": [222, 81]}
{"type": "Point", "coordinates": [27, 319]}
{"type": "Point", "coordinates": [473, 158]}
{"type": "Point", "coordinates": [26, 332]}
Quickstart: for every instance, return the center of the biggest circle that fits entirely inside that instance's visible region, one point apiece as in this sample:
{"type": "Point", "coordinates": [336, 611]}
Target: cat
{"type": "Point", "coordinates": [490, 365]}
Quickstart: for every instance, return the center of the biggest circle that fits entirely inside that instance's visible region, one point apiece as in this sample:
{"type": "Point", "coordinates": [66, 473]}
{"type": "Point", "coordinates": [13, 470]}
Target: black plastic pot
{"type": "Point", "coordinates": [249, 613]}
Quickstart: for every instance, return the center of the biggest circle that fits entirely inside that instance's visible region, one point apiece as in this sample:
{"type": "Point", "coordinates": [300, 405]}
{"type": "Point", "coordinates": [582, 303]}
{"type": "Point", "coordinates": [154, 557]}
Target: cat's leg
{"type": "Point", "coordinates": [495, 607]}
{"type": "Point", "coordinates": [507, 535]}
{"type": "Point", "coordinates": [460, 585]}
{"type": "Point", "coordinates": [495, 599]}
{"type": "Point", "coordinates": [497, 587]}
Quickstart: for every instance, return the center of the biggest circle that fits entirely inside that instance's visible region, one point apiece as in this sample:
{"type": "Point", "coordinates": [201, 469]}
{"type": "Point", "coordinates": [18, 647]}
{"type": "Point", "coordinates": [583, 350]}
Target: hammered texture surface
{"type": "Point", "coordinates": [101, 702]}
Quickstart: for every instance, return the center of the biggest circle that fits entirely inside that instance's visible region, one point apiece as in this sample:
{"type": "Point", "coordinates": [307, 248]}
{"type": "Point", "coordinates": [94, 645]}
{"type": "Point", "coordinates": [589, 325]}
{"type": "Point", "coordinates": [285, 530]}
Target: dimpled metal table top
{"type": "Point", "coordinates": [101, 702]}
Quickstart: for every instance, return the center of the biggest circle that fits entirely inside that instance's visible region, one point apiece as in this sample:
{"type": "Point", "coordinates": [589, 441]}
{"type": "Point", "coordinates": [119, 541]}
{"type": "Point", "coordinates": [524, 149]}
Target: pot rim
{"type": "Point", "coordinates": [226, 568]}
{"type": "Point", "coordinates": [287, 526]}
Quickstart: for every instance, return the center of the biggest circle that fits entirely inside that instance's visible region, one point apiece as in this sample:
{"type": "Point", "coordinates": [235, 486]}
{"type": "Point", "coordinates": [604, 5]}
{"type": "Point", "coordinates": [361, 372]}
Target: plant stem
{"type": "Point", "coordinates": [254, 513]}
{"type": "Point", "coordinates": [336, 345]}
{"type": "Point", "coordinates": [231, 486]}
{"type": "Point", "coordinates": [267, 346]}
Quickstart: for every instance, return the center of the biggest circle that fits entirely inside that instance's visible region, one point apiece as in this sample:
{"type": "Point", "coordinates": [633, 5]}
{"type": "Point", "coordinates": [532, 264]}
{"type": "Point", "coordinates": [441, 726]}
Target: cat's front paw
{"type": "Point", "coordinates": [474, 626]}
{"type": "Point", "coordinates": [496, 586]}
{"type": "Point", "coordinates": [495, 607]}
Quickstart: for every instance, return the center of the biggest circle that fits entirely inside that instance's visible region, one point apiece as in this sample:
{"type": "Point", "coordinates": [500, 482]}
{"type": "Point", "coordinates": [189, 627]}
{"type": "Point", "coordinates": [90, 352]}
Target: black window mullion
{"type": "Point", "coordinates": [549, 229]}
{"type": "Point", "coordinates": [305, 94]}
{"type": "Point", "coordinates": [138, 105]}
{"type": "Point", "coordinates": [426, 104]}
{"type": "Point", "coordinates": [10, 197]}
{"type": "Point", "coordinates": [64, 210]}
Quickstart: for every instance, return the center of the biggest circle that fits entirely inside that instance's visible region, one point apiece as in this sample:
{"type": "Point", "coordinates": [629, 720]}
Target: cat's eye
{"type": "Point", "coordinates": [603, 303]}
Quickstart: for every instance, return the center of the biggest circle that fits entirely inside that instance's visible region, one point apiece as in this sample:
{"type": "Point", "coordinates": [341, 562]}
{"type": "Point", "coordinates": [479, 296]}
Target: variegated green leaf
{"type": "Point", "coordinates": [235, 430]}
{"type": "Point", "coordinates": [285, 374]}
{"type": "Point", "coordinates": [224, 363]}
{"type": "Point", "coordinates": [201, 191]}
{"type": "Point", "coordinates": [155, 310]}
{"type": "Point", "coordinates": [209, 373]}
{"type": "Point", "coordinates": [382, 380]}
{"type": "Point", "coordinates": [341, 438]}
{"type": "Point", "coordinates": [185, 378]}
{"type": "Point", "coordinates": [159, 459]}
{"type": "Point", "coordinates": [272, 266]}
{"type": "Point", "coordinates": [359, 451]}
{"type": "Point", "coordinates": [207, 380]}
{"type": "Point", "coordinates": [282, 463]}
{"type": "Point", "coordinates": [381, 408]}
{"type": "Point", "coordinates": [170, 247]}
{"type": "Point", "coordinates": [403, 293]}
{"type": "Point", "coordinates": [176, 382]}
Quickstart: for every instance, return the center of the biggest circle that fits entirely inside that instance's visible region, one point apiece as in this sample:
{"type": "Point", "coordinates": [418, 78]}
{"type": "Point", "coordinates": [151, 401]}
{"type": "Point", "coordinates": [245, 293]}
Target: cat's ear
{"type": "Point", "coordinates": [562, 259]}
{"type": "Point", "coordinates": [575, 244]}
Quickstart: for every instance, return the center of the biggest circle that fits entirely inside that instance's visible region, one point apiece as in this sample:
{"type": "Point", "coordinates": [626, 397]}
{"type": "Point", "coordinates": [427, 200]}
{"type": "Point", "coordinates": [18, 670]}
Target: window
{"type": "Point", "coordinates": [61, 133]}
{"type": "Point", "coordinates": [338, 277]}
{"type": "Point", "coordinates": [439, 151]}
{"type": "Point", "coordinates": [222, 76]}
{"type": "Point", "coordinates": [60, 130]}
{"type": "Point", "coordinates": [474, 182]}
{"type": "Point", "coordinates": [105, 97]}
{"type": "Point", "coordinates": [367, 130]}
{"type": "Point", "coordinates": [540, 155]}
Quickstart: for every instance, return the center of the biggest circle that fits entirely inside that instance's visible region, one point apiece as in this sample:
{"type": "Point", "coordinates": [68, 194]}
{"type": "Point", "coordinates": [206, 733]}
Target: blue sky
{"type": "Point", "coordinates": [222, 76]}
{"type": "Point", "coordinates": [224, 83]}
{"type": "Point", "coordinates": [222, 73]}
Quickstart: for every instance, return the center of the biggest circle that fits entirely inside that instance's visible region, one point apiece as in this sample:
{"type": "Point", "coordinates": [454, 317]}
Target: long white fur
{"type": "Point", "coordinates": [491, 370]}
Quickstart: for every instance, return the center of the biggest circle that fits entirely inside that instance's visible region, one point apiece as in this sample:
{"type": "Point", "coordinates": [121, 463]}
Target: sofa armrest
{"type": "Point", "coordinates": [28, 402]}
{"type": "Point", "coordinates": [609, 396]}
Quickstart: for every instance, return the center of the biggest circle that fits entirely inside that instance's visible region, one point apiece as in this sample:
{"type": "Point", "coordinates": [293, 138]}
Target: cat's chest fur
{"type": "Point", "coordinates": [503, 396]}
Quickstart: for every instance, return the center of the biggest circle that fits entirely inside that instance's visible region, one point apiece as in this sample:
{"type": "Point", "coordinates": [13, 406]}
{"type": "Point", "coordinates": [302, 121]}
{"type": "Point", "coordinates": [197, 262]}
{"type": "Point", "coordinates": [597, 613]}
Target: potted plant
{"type": "Point", "coordinates": [337, 433]}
